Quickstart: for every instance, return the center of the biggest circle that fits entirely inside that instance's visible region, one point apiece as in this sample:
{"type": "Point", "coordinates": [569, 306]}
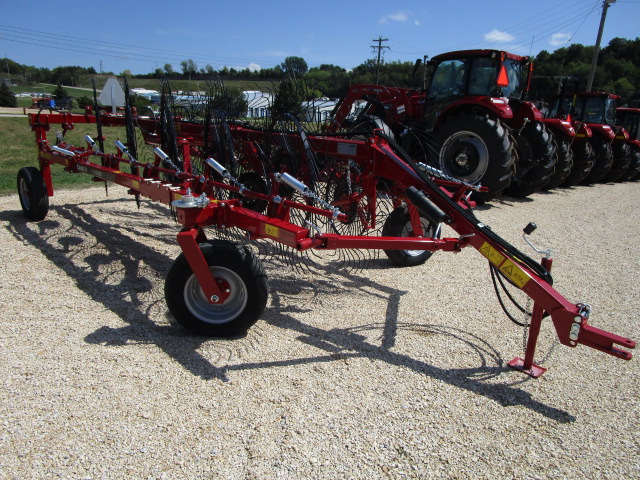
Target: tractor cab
{"type": "Point", "coordinates": [629, 119]}
{"type": "Point", "coordinates": [490, 78]}
{"type": "Point", "coordinates": [596, 107]}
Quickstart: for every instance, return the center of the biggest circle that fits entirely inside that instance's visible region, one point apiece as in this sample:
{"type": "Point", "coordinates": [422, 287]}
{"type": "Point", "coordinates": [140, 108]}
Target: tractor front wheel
{"type": "Point", "coordinates": [603, 160]}
{"type": "Point", "coordinates": [633, 172]}
{"type": "Point", "coordinates": [240, 276]}
{"type": "Point", "coordinates": [564, 164]}
{"type": "Point", "coordinates": [583, 160]}
{"type": "Point", "coordinates": [536, 158]}
{"type": "Point", "coordinates": [621, 161]}
{"type": "Point", "coordinates": [477, 149]}
{"type": "Point", "coordinates": [33, 194]}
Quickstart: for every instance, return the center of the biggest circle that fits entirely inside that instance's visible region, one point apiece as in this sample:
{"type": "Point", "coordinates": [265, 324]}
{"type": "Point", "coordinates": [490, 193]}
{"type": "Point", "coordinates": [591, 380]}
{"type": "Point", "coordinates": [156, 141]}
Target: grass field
{"type": "Point", "coordinates": [18, 149]}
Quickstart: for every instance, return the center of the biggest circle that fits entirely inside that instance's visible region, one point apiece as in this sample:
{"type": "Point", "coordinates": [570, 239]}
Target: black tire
{"type": "Point", "coordinates": [477, 149]}
{"type": "Point", "coordinates": [633, 172]}
{"type": "Point", "coordinates": [33, 194]}
{"type": "Point", "coordinates": [583, 160]}
{"type": "Point", "coordinates": [621, 161]}
{"type": "Point", "coordinates": [564, 164]}
{"type": "Point", "coordinates": [536, 159]}
{"type": "Point", "coordinates": [603, 160]}
{"type": "Point", "coordinates": [242, 274]}
{"type": "Point", "coordinates": [398, 224]}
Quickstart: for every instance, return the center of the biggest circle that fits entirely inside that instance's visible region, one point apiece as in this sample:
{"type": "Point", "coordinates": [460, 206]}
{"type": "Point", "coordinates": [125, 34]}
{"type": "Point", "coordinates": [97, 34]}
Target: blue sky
{"type": "Point", "coordinates": [143, 35]}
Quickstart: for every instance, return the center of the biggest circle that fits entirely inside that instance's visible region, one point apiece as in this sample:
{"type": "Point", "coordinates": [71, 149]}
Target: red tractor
{"type": "Point", "coordinates": [629, 119]}
{"type": "Point", "coordinates": [609, 142]}
{"type": "Point", "coordinates": [471, 121]}
{"type": "Point", "coordinates": [579, 147]}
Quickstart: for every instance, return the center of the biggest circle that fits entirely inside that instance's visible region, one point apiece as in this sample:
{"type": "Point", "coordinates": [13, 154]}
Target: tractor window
{"type": "Point", "coordinates": [448, 80]}
{"type": "Point", "coordinates": [592, 108]}
{"type": "Point", "coordinates": [610, 111]}
{"type": "Point", "coordinates": [631, 123]}
{"type": "Point", "coordinates": [517, 74]}
{"type": "Point", "coordinates": [483, 77]}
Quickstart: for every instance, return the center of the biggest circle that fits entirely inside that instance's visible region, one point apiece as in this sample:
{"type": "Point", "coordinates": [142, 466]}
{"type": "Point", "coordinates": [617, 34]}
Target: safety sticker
{"type": "Point", "coordinates": [491, 253]}
{"type": "Point", "coordinates": [271, 230]}
{"type": "Point", "coordinates": [135, 185]}
{"type": "Point", "coordinates": [514, 273]}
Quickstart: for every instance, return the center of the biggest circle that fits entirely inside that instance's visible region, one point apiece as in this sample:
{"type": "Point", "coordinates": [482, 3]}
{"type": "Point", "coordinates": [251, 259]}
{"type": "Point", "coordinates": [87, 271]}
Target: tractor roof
{"type": "Point", "coordinates": [628, 110]}
{"type": "Point", "coordinates": [478, 53]}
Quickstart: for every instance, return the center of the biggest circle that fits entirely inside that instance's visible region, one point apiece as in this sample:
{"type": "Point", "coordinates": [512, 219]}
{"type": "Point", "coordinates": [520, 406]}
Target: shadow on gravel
{"type": "Point", "coordinates": [130, 300]}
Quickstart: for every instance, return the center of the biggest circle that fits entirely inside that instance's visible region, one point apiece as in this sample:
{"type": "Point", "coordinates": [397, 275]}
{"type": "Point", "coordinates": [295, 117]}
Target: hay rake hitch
{"type": "Point", "coordinates": [304, 191]}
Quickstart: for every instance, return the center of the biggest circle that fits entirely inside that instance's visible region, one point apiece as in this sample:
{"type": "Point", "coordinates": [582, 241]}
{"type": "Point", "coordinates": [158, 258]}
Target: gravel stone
{"type": "Point", "coordinates": [378, 373]}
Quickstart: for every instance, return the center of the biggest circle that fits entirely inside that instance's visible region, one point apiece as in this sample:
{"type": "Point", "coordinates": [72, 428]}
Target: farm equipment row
{"type": "Point", "coordinates": [473, 120]}
{"type": "Point", "coordinates": [351, 188]}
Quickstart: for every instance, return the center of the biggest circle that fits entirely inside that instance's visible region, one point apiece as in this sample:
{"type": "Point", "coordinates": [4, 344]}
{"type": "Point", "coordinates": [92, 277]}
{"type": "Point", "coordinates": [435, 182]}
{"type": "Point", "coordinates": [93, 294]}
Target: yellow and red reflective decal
{"type": "Point", "coordinates": [272, 230]}
{"type": "Point", "coordinates": [514, 273]}
{"type": "Point", "coordinates": [492, 254]}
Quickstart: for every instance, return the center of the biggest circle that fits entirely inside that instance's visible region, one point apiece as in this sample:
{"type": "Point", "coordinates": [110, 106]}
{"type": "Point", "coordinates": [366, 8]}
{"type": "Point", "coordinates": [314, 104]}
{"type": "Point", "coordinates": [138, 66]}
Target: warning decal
{"type": "Point", "coordinates": [491, 253]}
{"type": "Point", "coordinates": [271, 230]}
{"type": "Point", "coordinates": [515, 273]}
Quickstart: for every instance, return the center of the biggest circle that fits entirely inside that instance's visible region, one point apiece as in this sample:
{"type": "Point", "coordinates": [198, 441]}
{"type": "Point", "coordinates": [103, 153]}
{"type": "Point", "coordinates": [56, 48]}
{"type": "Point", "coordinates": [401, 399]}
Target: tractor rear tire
{"type": "Point", "coordinates": [239, 271]}
{"type": "Point", "coordinates": [633, 172]}
{"type": "Point", "coordinates": [583, 160]}
{"type": "Point", "coordinates": [564, 164]}
{"type": "Point", "coordinates": [398, 224]}
{"type": "Point", "coordinates": [621, 161]}
{"type": "Point", "coordinates": [476, 148]}
{"type": "Point", "coordinates": [34, 197]}
{"type": "Point", "coordinates": [536, 159]}
{"type": "Point", "coordinates": [603, 161]}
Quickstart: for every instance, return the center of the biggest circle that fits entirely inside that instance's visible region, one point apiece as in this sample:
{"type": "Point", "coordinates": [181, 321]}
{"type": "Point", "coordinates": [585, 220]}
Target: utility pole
{"type": "Point", "coordinates": [605, 6]}
{"type": "Point", "coordinates": [379, 47]}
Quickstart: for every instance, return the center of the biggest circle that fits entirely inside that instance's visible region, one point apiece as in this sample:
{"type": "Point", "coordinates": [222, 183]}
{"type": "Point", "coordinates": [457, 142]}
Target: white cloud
{"type": "Point", "coordinates": [254, 67]}
{"type": "Point", "coordinates": [558, 39]}
{"type": "Point", "coordinates": [395, 17]}
{"type": "Point", "coordinates": [496, 36]}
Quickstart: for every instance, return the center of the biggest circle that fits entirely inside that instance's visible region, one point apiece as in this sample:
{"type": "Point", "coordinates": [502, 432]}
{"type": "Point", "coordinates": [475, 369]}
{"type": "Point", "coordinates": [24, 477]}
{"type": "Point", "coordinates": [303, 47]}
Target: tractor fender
{"type": "Point", "coordinates": [582, 130]}
{"type": "Point", "coordinates": [495, 106]}
{"type": "Point", "coordinates": [560, 127]}
{"type": "Point", "coordinates": [603, 130]}
{"type": "Point", "coordinates": [523, 112]}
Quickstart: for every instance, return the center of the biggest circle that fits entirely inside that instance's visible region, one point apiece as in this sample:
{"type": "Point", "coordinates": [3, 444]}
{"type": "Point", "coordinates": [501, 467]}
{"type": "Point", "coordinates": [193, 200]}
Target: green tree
{"type": "Point", "coordinates": [189, 68]}
{"type": "Point", "coordinates": [7, 97]}
{"type": "Point", "coordinates": [287, 100]}
{"type": "Point", "coordinates": [59, 93]}
{"type": "Point", "coordinates": [294, 66]}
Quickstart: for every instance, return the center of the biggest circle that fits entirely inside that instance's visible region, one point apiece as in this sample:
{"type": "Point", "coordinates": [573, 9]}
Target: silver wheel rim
{"type": "Point", "coordinates": [23, 191]}
{"type": "Point", "coordinates": [233, 305]}
{"type": "Point", "coordinates": [463, 160]}
{"type": "Point", "coordinates": [407, 231]}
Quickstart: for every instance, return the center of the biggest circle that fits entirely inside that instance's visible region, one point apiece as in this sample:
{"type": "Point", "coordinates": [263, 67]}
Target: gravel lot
{"type": "Point", "coordinates": [372, 374]}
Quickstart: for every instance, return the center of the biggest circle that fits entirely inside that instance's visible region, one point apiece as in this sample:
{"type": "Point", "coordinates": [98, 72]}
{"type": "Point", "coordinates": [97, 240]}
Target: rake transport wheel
{"type": "Point", "coordinates": [583, 160]}
{"type": "Point", "coordinates": [33, 194]}
{"type": "Point", "coordinates": [398, 224]}
{"type": "Point", "coordinates": [564, 164]}
{"type": "Point", "coordinates": [477, 149]}
{"type": "Point", "coordinates": [603, 161]}
{"type": "Point", "coordinates": [239, 273]}
{"type": "Point", "coordinates": [621, 161]}
{"type": "Point", "coordinates": [536, 159]}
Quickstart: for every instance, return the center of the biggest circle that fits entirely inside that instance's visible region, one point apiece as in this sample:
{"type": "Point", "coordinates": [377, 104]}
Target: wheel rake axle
{"type": "Point", "coordinates": [219, 288]}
